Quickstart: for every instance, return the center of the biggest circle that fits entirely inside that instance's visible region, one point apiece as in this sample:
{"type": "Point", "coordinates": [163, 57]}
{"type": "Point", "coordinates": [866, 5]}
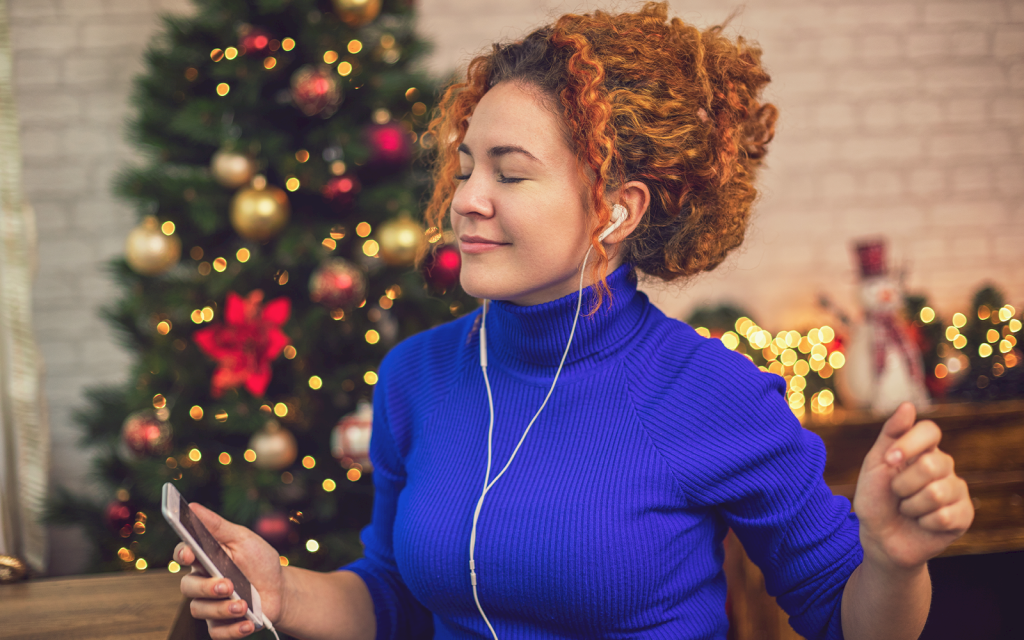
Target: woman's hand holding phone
{"type": "Point", "coordinates": [256, 559]}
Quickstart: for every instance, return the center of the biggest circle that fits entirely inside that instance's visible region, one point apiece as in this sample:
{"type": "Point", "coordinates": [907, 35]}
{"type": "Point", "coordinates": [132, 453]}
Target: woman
{"type": "Point", "coordinates": [579, 485]}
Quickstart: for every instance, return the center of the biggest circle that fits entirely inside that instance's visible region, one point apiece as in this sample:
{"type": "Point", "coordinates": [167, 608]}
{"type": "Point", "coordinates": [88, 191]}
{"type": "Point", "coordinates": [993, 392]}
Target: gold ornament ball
{"type": "Point", "coordinates": [231, 169]}
{"type": "Point", "coordinates": [275, 447]}
{"type": "Point", "coordinates": [259, 214]}
{"type": "Point", "coordinates": [11, 569]}
{"type": "Point", "coordinates": [149, 251]}
{"type": "Point", "coordinates": [357, 13]}
{"type": "Point", "coordinates": [400, 240]}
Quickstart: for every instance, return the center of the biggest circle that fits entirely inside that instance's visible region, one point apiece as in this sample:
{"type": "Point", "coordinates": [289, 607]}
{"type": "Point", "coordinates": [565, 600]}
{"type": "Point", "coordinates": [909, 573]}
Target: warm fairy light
{"type": "Point", "coordinates": [289, 352]}
{"type": "Point", "coordinates": [960, 342]}
{"type": "Point", "coordinates": [231, 53]}
{"type": "Point", "coordinates": [173, 567]}
{"type": "Point", "coordinates": [159, 402]}
{"type": "Point", "coordinates": [337, 232]}
{"type": "Point", "coordinates": [951, 333]}
{"type": "Point", "coordinates": [217, 55]}
{"type": "Point", "coordinates": [370, 248]}
{"type": "Point", "coordinates": [1011, 359]}
{"type": "Point", "coordinates": [703, 332]}
{"type": "Point", "coordinates": [141, 564]}
{"type": "Point", "coordinates": [927, 314]}
{"type": "Point", "coordinates": [381, 116]}
{"type": "Point", "coordinates": [992, 335]}
{"type": "Point", "coordinates": [288, 44]}
{"type": "Point", "coordinates": [419, 109]}
{"type": "Point", "coordinates": [312, 546]}
{"type": "Point", "coordinates": [330, 243]}
{"type": "Point", "coordinates": [163, 327]}
{"type": "Point", "coordinates": [280, 409]}
{"type": "Point", "coordinates": [338, 314]}
{"type": "Point", "coordinates": [818, 352]}
{"type": "Point", "coordinates": [221, 416]}
{"type": "Point", "coordinates": [776, 368]}
{"type": "Point", "coordinates": [959, 320]}
{"type": "Point", "coordinates": [836, 359]}
{"type": "Point", "coordinates": [1011, 339]}
{"type": "Point", "coordinates": [385, 302]}
{"type": "Point", "coordinates": [344, 68]}
{"type": "Point", "coordinates": [826, 370]}
{"type": "Point", "coordinates": [196, 412]}
{"type": "Point", "coordinates": [309, 462]}
{"type": "Point", "coordinates": [330, 485]}
{"type": "Point", "coordinates": [265, 408]}
{"type": "Point", "coordinates": [354, 474]}
{"type": "Point", "coordinates": [1005, 346]}
{"type": "Point", "coordinates": [292, 183]}
{"type": "Point", "coordinates": [223, 88]}
{"type": "Point", "coordinates": [793, 339]}
{"type": "Point", "coordinates": [998, 369]}
{"type": "Point", "coordinates": [759, 339]}
{"type": "Point", "coordinates": [302, 155]}
{"type": "Point", "coordinates": [363, 229]}
{"type": "Point", "coordinates": [207, 314]}
{"type": "Point", "coordinates": [827, 334]}
{"type": "Point", "coordinates": [825, 397]}
{"type": "Point", "coordinates": [1006, 313]}
{"type": "Point", "coordinates": [801, 368]}
{"type": "Point", "coordinates": [219, 265]}
{"type": "Point", "coordinates": [354, 46]}
{"type": "Point", "coordinates": [370, 377]}
{"type": "Point", "coordinates": [985, 350]}
{"type": "Point", "coordinates": [194, 455]}
{"type": "Point", "coordinates": [315, 382]}
{"type": "Point", "coordinates": [330, 57]}
{"type": "Point", "coordinates": [281, 277]}
{"type": "Point", "coordinates": [954, 365]}
{"type": "Point", "coordinates": [730, 340]}
{"type": "Point", "coordinates": [941, 371]}
{"type": "Point", "coordinates": [224, 458]}
{"type": "Point", "coordinates": [249, 455]}
{"type": "Point", "coordinates": [788, 357]}
{"type": "Point", "coordinates": [813, 336]}
{"type": "Point", "coordinates": [805, 345]}
{"type": "Point", "coordinates": [743, 323]}
{"type": "Point", "coordinates": [984, 312]}
{"type": "Point", "coordinates": [372, 337]}
{"type": "Point", "coordinates": [796, 400]}
{"type": "Point", "coordinates": [817, 364]}
{"type": "Point", "coordinates": [798, 383]}
{"type": "Point", "coordinates": [243, 255]}
{"type": "Point", "coordinates": [125, 554]}
{"type": "Point", "coordinates": [283, 560]}
{"type": "Point", "coordinates": [269, 62]}
{"type": "Point", "coordinates": [167, 228]}
{"type": "Point", "coordinates": [1015, 325]}
{"type": "Point", "coordinates": [204, 268]}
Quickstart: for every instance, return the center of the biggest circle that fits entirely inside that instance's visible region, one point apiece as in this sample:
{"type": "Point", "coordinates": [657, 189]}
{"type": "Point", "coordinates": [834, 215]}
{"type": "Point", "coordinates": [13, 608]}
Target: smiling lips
{"type": "Point", "coordinates": [477, 244]}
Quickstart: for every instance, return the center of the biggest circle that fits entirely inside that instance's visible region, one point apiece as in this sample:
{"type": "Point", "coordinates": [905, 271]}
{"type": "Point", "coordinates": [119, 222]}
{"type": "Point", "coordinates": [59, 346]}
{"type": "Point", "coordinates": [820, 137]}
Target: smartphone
{"type": "Point", "coordinates": [208, 551]}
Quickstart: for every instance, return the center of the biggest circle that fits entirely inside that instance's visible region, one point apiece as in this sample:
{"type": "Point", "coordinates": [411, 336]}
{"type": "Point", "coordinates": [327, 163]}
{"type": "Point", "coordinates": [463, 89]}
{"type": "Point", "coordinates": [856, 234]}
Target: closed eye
{"type": "Point", "coordinates": [501, 179]}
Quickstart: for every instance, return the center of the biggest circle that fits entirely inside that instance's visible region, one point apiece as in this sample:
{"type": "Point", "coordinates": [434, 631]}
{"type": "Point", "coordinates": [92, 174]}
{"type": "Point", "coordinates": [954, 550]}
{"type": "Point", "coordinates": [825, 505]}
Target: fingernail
{"type": "Point", "coordinates": [894, 457]}
{"type": "Point", "coordinates": [246, 627]}
{"type": "Point", "coordinates": [237, 607]}
{"type": "Point", "coordinates": [221, 588]}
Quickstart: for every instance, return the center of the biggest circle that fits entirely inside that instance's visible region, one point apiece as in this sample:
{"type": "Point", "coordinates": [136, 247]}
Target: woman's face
{"type": "Point", "coordinates": [518, 212]}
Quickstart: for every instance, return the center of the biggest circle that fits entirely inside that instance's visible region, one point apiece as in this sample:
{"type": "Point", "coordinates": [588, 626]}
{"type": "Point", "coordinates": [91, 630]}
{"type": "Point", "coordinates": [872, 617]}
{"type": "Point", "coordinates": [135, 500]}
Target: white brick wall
{"type": "Point", "coordinates": [903, 118]}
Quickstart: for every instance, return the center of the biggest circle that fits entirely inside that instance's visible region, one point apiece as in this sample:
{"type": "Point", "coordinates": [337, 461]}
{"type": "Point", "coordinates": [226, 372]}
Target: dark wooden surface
{"type": "Point", "coordinates": [140, 606]}
{"type": "Point", "coordinates": [987, 444]}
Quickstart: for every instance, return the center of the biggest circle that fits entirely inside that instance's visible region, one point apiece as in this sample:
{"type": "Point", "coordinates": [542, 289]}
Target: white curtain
{"type": "Point", "coordinates": [24, 431]}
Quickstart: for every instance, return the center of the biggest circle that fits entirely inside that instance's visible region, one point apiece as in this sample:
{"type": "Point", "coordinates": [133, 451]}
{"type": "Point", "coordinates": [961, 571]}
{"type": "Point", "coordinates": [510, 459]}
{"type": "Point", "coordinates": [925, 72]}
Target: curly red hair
{"type": "Point", "coordinates": [642, 98]}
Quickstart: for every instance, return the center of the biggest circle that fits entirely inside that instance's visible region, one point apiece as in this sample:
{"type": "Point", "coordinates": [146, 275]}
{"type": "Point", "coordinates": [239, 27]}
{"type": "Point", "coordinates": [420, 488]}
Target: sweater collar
{"type": "Point", "coordinates": [531, 339]}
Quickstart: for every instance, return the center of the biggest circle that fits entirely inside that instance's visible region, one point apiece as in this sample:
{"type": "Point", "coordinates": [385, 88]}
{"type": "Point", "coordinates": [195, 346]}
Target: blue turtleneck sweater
{"type": "Point", "coordinates": [609, 522]}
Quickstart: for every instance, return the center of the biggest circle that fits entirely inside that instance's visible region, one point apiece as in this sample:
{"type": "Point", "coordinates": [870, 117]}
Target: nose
{"type": "Point", "coordinates": [472, 198]}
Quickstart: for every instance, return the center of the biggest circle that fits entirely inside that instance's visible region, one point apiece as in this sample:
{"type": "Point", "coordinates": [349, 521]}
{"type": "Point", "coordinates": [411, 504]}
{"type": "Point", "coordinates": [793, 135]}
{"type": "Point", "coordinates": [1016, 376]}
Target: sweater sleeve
{"type": "Point", "coordinates": [399, 614]}
{"type": "Point", "coordinates": [742, 453]}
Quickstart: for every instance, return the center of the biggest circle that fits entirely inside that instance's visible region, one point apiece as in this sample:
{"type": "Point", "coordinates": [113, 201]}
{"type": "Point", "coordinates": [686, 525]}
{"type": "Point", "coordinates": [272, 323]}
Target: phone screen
{"type": "Point", "coordinates": [213, 549]}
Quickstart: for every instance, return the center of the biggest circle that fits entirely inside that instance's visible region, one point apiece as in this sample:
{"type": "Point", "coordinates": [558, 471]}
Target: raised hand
{"type": "Point", "coordinates": [910, 502]}
{"type": "Point", "coordinates": [258, 561]}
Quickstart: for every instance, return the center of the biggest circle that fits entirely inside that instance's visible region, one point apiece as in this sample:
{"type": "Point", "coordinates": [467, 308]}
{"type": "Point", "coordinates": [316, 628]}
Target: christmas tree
{"type": "Point", "coordinates": [273, 268]}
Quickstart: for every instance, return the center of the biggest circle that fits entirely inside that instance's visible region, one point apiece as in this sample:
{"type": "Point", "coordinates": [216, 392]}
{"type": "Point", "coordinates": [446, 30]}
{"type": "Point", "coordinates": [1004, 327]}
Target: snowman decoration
{"type": "Point", "coordinates": [883, 364]}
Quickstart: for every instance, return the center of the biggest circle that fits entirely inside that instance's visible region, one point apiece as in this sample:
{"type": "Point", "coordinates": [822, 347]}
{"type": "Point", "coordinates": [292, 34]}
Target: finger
{"type": "Point", "coordinates": [933, 497]}
{"type": "Point", "coordinates": [183, 554]}
{"type": "Point", "coordinates": [927, 468]}
{"type": "Point", "coordinates": [196, 586]}
{"type": "Point", "coordinates": [204, 609]}
{"type": "Point", "coordinates": [221, 529]}
{"type": "Point", "coordinates": [227, 630]}
{"type": "Point", "coordinates": [953, 518]}
{"type": "Point", "coordinates": [924, 436]}
{"type": "Point", "coordinates": [900, 422]}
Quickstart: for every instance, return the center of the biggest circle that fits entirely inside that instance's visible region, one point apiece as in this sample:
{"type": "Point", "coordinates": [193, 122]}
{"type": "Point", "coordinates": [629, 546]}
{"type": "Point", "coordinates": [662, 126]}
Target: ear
{"type": "Point", "coordinates": [636, 197]}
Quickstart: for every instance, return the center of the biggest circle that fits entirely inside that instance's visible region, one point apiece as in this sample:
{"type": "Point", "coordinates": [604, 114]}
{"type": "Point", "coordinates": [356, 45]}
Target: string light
{"type": "Point", "coordinates": [167, 228]}
{"type": "Point", "coordinates": [309, 462]}
{"type": "Point", "coordinates": [959, 320]}
{"type": "Point", "coordinates": [363, 229]}
{"type": "Point", "coordinates": [223, 88]}
{"type": "Point", "coordinates": [290, 352]}
{"type": "Point", "coordinates": [315, 382]}
{"type": "Point", "coordinates": [330, 57]}
{"type": "Point", "coordinates": [329, 485]}
{"type": "Point", "coordinates": [242, 255]}
{"type": "Point", "coordinates": [355, 46]}
{"type": "Point", "coordinates": [288, 44]}
{"type": "Point", "coordinates": [330, 243]}
{"type": "Point", "coordinates": [219, 265]}
{"type": "Point", "coordinates": [217, 55]}
{"type": "Point", "coordinates": [173, 567]}
{"type": "Point", "coordinates": [370, 378]}
{"type": "Point", "coordinates": [249, 455]}
{"type": "Point", "coordinates": [703, 332]}
{"type": "Point", "coordinates": [370, 248]}
{"type": "Point", "coordinates": [280, 409]}
{"type": "Point", "coordinates": [302, 155]}
{"type": "Point", "coordinates": [345, 68]}
{"type": "Point", "coordinates": [312, 546]}
{"type": "Point", "coordinates": [194, 455]}
{"type": "Point", "coordinates": [372, 337]}
{"type": "Point", "coordinates": [292, 183]}
{"type": "Point", "coordinates": [353, 474]}
{"type": "Point", "coordinates": [230, 53]}
{"type": "Point", "coordinates": [269, 62]}
{"type": "Point", "coordinates": [224, 458]}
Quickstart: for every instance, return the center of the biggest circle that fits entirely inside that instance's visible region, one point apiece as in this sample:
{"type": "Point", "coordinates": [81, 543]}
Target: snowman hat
{"type": "Point", "coordinates": [871, 256]}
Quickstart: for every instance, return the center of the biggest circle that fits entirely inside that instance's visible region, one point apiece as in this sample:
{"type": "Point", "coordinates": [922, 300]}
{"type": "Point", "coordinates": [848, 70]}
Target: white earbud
{"type": "Point", "coordinates": [619, 215]}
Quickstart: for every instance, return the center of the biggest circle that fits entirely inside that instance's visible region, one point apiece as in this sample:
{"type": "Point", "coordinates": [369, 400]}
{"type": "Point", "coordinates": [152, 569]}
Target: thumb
{"type": "Point", "coordinates": [898, 423]}
{"type": "Point", "coordinates": [221, 529]}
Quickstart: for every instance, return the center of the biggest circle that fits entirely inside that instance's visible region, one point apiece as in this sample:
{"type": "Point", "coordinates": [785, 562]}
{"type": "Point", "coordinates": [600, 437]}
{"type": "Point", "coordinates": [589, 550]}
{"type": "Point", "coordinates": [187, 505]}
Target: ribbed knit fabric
{"type": "Point", "coordinates": [609, 523]}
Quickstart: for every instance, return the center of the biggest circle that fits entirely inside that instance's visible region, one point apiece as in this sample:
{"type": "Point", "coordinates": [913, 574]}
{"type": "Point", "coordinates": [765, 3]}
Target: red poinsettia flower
{"type": "Point", "coordinates": [246, 343]}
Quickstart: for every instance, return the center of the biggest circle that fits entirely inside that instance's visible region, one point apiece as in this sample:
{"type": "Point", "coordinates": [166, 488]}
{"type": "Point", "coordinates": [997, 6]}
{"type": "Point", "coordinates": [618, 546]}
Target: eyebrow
{"type": "Point", "coordinates": [502, 150]}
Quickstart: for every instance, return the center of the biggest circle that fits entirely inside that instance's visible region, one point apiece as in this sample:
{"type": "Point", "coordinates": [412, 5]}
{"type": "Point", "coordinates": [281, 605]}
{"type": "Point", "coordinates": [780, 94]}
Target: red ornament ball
{"type": "Point", "coordinates": [389, 144]}
{"type": "Point", "coordinates": [253, 39]}
{"type": "Point", "coordinates": [144, 434]}
{"type": "Point", "coordinates": [350, 440]}
{"type": "Point", "coordinates": [118, 515]}
{"type": "Point", "coordinates": [341, 191]}
{"type": "Point", "coordinates": [442, 269]}
{"type": "Point", "coordinates": [316, 90]}
{"type": "Point", "coordinates": [273, 527]}
{"type": "Point", "coordinates": [337, 284]}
